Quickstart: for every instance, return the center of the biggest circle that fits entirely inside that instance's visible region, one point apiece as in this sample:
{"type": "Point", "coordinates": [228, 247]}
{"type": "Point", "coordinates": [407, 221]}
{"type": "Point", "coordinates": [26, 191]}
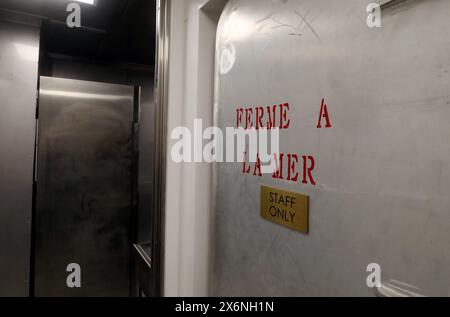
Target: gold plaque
{"type": "Point", "coordinates": [285, 208]}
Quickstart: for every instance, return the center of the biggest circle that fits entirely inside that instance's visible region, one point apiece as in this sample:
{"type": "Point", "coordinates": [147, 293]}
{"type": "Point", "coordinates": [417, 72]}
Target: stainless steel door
{"type": "Point", "coordinates": [382, 171]}
{"type": "Point", "coordinates": [84, 187]}
{"type": "Point", "coordinates": [19, 56]}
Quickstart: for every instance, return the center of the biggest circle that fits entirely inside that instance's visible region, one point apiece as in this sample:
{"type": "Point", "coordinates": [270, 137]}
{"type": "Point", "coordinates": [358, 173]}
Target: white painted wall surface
{"type": "Point", "coordinates": [187, 245]}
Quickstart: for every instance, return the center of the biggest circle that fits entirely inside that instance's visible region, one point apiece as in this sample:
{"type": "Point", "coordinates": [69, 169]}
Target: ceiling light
{"type": "Point", "coordinates": [91, 2]}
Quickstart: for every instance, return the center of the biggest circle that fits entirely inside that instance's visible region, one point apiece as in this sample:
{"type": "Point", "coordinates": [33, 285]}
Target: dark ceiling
{"type": "Point", "coordinates": [112, 30]}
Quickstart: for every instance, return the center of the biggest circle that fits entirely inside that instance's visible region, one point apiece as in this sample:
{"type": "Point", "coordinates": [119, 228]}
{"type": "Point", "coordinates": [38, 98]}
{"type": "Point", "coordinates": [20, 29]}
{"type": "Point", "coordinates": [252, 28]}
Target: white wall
{"type": "Point", "coordinates": [189, 186]}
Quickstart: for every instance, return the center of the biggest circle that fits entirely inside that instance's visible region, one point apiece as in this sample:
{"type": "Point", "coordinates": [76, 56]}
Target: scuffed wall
{"type": "Point", "coordinates": [381, 173]}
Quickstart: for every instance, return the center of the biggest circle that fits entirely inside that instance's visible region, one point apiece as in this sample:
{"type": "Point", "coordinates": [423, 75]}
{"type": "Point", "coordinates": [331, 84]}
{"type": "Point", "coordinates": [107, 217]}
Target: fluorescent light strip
{"type": "Point", "coordinates": [91, 2]}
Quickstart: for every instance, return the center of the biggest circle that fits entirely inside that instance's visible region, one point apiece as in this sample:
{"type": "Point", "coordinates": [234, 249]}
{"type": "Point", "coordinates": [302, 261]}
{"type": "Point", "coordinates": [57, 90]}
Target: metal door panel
{"type": "Point", "coordinates": [382, 170]}
{"type": "Point", "coordinates": [84, 201]}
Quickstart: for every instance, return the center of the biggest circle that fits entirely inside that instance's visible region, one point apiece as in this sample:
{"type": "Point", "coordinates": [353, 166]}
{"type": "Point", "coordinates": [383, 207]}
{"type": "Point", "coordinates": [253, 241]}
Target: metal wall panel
{"type": "Point", "coordinates": [84, 187]}
{"type": "Point", "coordinates": [382, 170]}
{"type": "Point", "coordinates": [19, 55]}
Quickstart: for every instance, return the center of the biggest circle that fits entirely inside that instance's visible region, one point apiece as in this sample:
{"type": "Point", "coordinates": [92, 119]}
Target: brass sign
{"type": "Point", "coordinates": [285, 208]}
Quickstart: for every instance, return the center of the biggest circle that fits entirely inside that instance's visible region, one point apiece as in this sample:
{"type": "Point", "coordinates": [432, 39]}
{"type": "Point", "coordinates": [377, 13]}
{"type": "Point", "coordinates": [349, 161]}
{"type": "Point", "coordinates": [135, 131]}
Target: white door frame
{"type": "Point", "coordinates": [184, 195]}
